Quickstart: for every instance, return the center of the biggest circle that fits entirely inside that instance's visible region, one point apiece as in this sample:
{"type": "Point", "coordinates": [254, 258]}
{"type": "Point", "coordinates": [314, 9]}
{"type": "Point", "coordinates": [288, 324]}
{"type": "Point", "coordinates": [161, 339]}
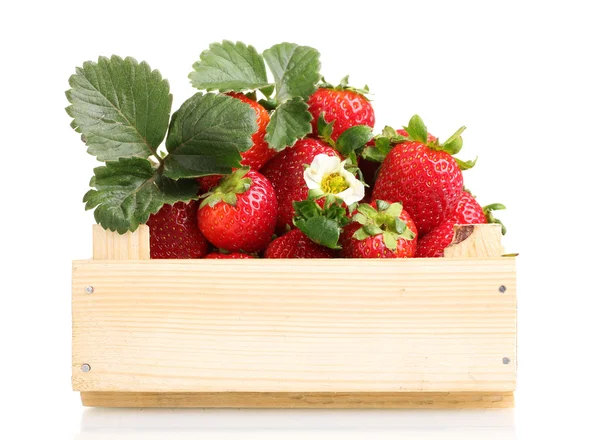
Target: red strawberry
{"type": "Point", "coordinates": [286, 172]}
{"type": "Point", "coordinates": [344, 105]}
{"type": "Point", "coordinates": [423, 175]}
{"type": "Point", "coordinates": [295, 244]}
{"type": "Point", "coordinates": [174, 232]}
{"type": "Point", "coordinates": [379, 230]}
{"type": "Point", "coordinates": [231, 256]}
{"type": "Point", "coordinates": [466, 212]}
{"type": "Point", "coordinates": [240, 213]}
{"type": "Point", "coordinates": [260, 153]}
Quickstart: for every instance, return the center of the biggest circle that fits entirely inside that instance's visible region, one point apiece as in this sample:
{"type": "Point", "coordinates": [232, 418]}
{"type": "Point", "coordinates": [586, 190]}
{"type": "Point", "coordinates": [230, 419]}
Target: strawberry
{"type": "Point", "coordinates": [207, 183]}
{"type": "Point", "coordinates": [342, 105]}
{"type": "Point", "coordinates": [174, 232]}
{"type": "Point", "coordinates": [240, 213]}
{"type": "Point", "coordinates": [231, 256]}
{"type": "Point", "coordinates": [286, 172]}
{"type": "Point", "coordinates": [295, 244]}
{"type": "Point", "coordinates": [422, 174]}
{"type": "Point", "coordinates": [466, 212]}
{"type": "Point", "coordinates": [260, 153]}
{"type": "Point", "coordinates": [379, 230]}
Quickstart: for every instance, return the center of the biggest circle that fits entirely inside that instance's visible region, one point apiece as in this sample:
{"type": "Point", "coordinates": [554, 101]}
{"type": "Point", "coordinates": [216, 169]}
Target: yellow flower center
{"type": "Point", "coordinates": [334, 184]}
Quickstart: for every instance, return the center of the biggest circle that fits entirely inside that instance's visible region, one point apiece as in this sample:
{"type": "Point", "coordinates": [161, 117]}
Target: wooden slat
{"type": "Point", "coordinates": [299, 326]}
{"type": "Point", "coordinates": [129, 246]}
{"type": "Point", "coordinates": [298, 400]}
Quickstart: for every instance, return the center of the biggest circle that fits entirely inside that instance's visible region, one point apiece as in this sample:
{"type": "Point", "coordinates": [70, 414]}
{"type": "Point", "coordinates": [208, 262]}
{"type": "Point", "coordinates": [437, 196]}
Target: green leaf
{"type": "Point", "coordinates": [325, 129]}
{"type": "Point", "coordinates": [389, 241]}
{"type": "Point", "coordinates": [120, 106]}
{"type": "Point", "coordinates": [127, 191]}
{"type": "Point", "coordinates": [417, 129]}
{"type": "Point", "coordinates": [289, 122]}
{"type": "Point", "coordinates": [372, 154]}
{"type": "Point", "coordinates": [454, 143]}
{"type": "Point", "coordinates": [465, 165]}
{"type": "Point", "coordinates": [321, 230]}
{"type": "Point", "coordinates": [354, 138]}
{"type": "Point", "coordinates": [207, 135]}
{"type": "Point", "coordinates": [360, 234]}
{"type": "Point", "coordinates": [295, 69]}
{"type": "Point", "coordinates": [229, 66]}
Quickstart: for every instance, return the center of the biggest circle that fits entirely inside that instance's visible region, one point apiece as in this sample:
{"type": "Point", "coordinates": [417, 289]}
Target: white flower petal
{"type": "Point", "coordinates": [321, 166]}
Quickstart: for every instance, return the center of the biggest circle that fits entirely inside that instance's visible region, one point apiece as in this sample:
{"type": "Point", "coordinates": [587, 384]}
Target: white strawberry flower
{"type": "Point", "coordinates": [328, 175]}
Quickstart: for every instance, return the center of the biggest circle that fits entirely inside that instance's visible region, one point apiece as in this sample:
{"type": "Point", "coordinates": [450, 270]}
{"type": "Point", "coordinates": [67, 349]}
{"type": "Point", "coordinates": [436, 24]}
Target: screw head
{"type": "Point", "coordinates": [89, 289]}
{"type": "Point", "coordinates": [505, 361]}
{"type": "Point", "coordinates": [86, 368]}
{"type": "Point", "coordinates": [502, 289]}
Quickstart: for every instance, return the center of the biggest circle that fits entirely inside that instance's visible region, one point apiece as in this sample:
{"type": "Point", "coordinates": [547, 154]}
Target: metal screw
{"type": "Point", "coordinates": [505, 361]}
{"type": "Point", "coordinates": [502, 289]}
{"type": "Point", "coordinates": [86, 368]}
{"type": "Point", "coordinates": [89, 289]}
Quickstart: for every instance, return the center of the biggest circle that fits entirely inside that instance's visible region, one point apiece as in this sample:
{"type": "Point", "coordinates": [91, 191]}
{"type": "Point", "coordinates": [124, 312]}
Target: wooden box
{"type": "Point", "coordinates": [295, 333]}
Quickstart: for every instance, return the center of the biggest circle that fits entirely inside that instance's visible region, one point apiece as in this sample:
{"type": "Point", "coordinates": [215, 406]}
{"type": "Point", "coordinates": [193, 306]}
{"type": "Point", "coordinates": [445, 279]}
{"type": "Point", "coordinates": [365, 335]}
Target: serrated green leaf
{"type": "Point", "coordinates": [354, 138]}
{"type": "Point", "coordinates": [229, 66]}
{"type": "Point", "coordinates": [295, 69]}
{"type": "Point", "coordinates": [207, 135]}
{"type": "Point", "coordinates": [121, 107]}
{"type": "Point", "coordinates": [289, 122]}
{"type": "Point", "coordinates": [321, 230]}
{"type": "Point", "coordinates": [128, 190]}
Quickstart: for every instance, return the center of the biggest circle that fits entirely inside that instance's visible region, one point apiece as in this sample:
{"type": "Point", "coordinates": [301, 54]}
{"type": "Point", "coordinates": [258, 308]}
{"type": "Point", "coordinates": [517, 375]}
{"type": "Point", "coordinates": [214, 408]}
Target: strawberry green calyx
{"type": "Point", "coordinates": [343, 85]}
{"type": "Point", "coordinates": [384, 143]}
{"type": "Point", "coordinates": [383, 220]}
{"type": "Point", "coordinates": [417, 131]}
{"type": "Point", "coordinates": [488, 209]}
{"type": "Point", "coordinates": [323, 225]}
{"type": "Point", "coordinates": [228, 189]}
{"type": "Point", "coordinates": [351, 141]}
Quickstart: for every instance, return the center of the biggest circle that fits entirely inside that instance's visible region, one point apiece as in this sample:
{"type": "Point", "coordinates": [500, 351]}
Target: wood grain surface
{"type": "Point", "coordinates": [298, 400]}
{"type": "Point", "coordinates": [295, 326]}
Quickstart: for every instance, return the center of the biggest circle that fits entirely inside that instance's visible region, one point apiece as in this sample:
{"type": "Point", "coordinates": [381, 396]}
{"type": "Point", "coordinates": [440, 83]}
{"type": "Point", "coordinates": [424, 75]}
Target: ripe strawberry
{"type": "Point", "coordinates": [343, 105]}
{"type": "Point", "coordinates": [240, 213]}
{"type": "Point", "coordinates": [286, 172]}
{"type": "Point", "coordinates": [466, 212]}
{"type": "Point", "coordinates": [423, 175]}
{"type": "Point", "coordinates": [260, 153]}
{"type": "Point", "coordinates": [295, 244]}
{"type": "Point", "coordinates": [231, 256]}
{"type": "Point", "coordinates": [174, 232]}
{"type": "Point", "coordinates": [379, 230]}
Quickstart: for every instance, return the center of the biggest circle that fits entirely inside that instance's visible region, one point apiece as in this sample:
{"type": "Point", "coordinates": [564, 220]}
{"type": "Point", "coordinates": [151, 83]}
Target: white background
{"type": "Point", "coordinates": [522, 76]}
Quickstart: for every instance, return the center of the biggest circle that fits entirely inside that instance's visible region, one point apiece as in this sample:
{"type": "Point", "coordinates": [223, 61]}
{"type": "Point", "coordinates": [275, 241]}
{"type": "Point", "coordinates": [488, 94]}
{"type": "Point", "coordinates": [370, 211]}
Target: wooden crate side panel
{"type": "Point", "coordinates": [438, 325]}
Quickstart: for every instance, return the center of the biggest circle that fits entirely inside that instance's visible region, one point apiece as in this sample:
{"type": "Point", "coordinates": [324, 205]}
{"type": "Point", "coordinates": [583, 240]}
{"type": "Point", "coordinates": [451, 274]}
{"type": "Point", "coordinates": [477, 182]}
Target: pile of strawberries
{"type": "Point", "coordinates": [409, 183]}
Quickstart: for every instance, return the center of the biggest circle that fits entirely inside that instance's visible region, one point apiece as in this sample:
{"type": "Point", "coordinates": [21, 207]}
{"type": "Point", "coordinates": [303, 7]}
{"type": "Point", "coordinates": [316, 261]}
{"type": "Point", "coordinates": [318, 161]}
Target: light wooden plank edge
{"type": "Point", "coordinates": [108, 245]}
{"type": "Point", "coordinates": [455, 400]}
